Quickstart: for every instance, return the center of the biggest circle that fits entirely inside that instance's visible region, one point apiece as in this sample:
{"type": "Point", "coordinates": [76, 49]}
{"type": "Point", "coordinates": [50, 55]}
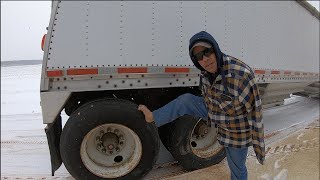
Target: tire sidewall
{"type": "Point", "coordinates": [181, 148]}
{"type": "Point", "coordinates": [100, 112]}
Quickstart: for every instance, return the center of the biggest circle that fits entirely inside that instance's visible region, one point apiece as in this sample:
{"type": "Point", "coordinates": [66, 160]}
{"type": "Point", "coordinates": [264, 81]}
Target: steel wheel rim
{"type": "Point", "coordinates": [105, 164]}
{"type": "Point", "coordinates": [207, 146]}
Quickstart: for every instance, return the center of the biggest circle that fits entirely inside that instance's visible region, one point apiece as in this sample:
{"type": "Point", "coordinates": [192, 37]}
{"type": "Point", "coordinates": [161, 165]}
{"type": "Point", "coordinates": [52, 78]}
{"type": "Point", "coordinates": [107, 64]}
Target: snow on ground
{"type": "Point", "coordinates": [24, 149]}
{"type": "Point", "coordinates": [282, 175]}
{"type": "Point", "coordinates": [20, 90]}
{"type": "Point", "coordinates": [22, 130]}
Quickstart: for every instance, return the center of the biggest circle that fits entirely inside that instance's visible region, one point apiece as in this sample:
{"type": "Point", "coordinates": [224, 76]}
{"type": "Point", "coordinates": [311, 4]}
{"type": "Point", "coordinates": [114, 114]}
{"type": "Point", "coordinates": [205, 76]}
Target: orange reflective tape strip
{"type": "Point", "coordinates": [287, 72]}
{"type": "Point", "coordinates": [259, 71]}
{"type": "Point", "coordinates": [133, 70]}
{"type": "Point", "coordinates": [82, 71]}
{"type": "Point", "coordinates": [177, 70]}
{"type": "Point", "coordinates": [275, 72]}
{"type": "Point", "coordinates": [55, 73]}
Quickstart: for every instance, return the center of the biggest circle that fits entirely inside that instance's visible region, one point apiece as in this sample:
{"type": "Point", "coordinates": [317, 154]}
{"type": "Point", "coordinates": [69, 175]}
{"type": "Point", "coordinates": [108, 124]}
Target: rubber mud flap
{"type": "Point", "coordinates": [53, 132]}
{"type": "Point", "coordinates": [176, 135]}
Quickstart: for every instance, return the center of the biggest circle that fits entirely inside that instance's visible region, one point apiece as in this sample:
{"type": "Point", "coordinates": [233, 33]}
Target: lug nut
{"type": "Point", "coordinates": [117, 149]}
{"type": "Point", "coordinates": [110, 152]}
{"type": "Point", "coordinates": [109, 129]}
{"type": "Point", "coordinates": [116, 131]}
{"type": "Point", "coordinates": [121, 143]}
{"type": "Point", "coordinates": [120, 137]}
{"type": "Point", "coordinates": [98, 138]}
{"type": "Point", "coordinates": [103, 150]}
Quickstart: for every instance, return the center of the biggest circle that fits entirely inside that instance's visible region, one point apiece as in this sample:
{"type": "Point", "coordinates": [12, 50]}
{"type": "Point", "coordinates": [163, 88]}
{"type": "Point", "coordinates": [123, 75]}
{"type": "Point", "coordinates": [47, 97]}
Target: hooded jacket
{"type": "Point", "coordinates": [206, 37]}
{"type": "Point", "coordinates": [233, 100]}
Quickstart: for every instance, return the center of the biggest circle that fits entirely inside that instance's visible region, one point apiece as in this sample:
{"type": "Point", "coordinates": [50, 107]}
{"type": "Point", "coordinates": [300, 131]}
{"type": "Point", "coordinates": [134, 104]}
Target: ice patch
{"type": "Point", "coordinates": [289, 146]}
{"type": "Point", "coordinates": [266, 177]}
{"type": "Point", "coordinates": [314, 139]}
{"type": "Point", "coordinates": [276, 164]}
{"type": "Point", "coordinates": [300, 136]}
{"type": "Point", "coordinates": [283, 174]}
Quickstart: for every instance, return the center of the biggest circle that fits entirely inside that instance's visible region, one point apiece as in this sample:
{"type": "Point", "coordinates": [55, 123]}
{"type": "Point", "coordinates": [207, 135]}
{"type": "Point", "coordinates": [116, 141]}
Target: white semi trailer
{"type": "Point", "coordinates": [103, 58]}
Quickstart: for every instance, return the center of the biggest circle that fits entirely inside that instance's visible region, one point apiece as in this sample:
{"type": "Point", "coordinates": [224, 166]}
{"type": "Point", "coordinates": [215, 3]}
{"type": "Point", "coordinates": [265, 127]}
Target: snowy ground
{"type": "Point", "coordinates": [24, 150]}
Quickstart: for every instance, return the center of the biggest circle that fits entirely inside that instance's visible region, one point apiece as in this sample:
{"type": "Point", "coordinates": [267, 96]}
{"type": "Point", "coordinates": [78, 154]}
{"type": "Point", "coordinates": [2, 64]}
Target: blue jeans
{"type": "Point", "coordinates": [236, 158]}
{"type": "Point", "coordinates": [189, 104]}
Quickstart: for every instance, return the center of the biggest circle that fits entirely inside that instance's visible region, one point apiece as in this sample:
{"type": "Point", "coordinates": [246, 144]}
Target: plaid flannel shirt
{"type": "Point", "coordinates": [234, 106]}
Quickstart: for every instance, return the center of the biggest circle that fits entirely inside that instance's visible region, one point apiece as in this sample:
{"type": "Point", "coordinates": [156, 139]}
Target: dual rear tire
{"type": "Point", "coordinates": [110, 139]}
{"type": "Point", "coordinates": [192, 143]}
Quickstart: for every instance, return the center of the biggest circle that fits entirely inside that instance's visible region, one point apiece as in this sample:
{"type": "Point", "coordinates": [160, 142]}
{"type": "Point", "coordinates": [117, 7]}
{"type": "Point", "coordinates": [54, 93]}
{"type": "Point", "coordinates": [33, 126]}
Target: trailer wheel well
{"type": "Point", "coordinates": [152, 98]}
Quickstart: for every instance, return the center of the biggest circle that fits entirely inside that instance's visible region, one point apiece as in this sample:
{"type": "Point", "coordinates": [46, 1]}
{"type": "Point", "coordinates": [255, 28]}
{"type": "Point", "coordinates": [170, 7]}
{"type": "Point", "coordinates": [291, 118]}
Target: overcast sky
{"type": "Point", "coordinates": [23, 23]}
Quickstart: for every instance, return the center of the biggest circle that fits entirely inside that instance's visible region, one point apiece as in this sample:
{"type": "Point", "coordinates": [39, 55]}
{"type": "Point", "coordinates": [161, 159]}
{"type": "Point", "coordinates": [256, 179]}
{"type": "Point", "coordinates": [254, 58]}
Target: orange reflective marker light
{"type": "Point", "coordinates": [42, 41]}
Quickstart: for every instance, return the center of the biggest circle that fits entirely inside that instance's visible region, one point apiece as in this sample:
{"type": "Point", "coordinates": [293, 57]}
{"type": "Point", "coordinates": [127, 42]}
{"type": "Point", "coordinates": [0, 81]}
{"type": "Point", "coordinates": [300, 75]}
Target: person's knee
{"type": "Point", "coordinates": [186, 98]}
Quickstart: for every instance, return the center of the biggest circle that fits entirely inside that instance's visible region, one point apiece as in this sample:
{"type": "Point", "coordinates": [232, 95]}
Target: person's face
{"type": "Point", "coordinates": [208, 63]}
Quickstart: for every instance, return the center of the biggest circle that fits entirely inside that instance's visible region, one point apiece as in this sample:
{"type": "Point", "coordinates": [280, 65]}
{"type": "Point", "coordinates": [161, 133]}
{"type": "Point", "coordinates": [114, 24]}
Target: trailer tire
{"type": "Point", "coordinates": [93, 117]}
{"type": "Point", "coordinates": [177, 138]}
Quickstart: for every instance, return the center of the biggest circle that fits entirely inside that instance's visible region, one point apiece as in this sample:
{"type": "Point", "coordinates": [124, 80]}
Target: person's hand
{"type": "Point", "coordinates": [147, 113]}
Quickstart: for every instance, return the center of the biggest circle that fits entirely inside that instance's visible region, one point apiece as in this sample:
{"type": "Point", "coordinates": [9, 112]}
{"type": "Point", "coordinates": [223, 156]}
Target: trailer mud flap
{"type": "Point", "coordinates": [53, 132]}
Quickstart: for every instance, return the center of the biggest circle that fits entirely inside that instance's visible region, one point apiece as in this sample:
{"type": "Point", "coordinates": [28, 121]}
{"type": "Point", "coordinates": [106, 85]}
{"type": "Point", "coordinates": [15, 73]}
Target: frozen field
{"type": "Point", "coordinates": [24, 150]}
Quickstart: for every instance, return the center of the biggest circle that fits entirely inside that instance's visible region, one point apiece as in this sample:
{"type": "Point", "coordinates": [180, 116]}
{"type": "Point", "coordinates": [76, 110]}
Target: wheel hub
{"type": "Point", "coordinates": [204, 140]}
{"type": "Point", "coordinates": [201, 129]}
{"type": "Point", "coordinates": [111, 150]}
{"type": "Point", "coordinates": [110, 141]}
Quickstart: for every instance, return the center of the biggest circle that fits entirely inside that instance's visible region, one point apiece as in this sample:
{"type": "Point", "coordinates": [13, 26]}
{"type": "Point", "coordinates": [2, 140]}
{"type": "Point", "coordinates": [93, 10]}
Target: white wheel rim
{"type": "Point", "coordinates": [98, 158]}
{"type": "Point", "coordinates": [206, 146]}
